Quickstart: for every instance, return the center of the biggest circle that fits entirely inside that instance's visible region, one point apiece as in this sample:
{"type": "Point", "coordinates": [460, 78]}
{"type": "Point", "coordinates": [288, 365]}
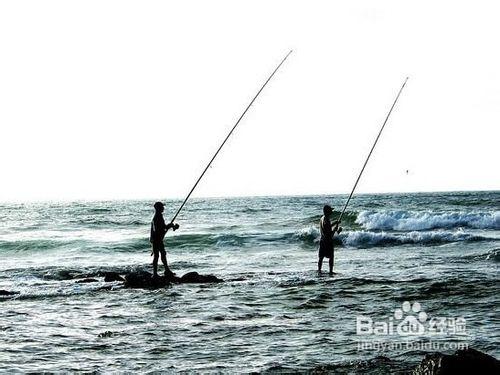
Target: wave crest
{"type": "Point", "coordinates": [368, 239]}
{"type": "Point", "coordinates": [363, 238]}
{"type": "Point", "coordinates": [417, 221]}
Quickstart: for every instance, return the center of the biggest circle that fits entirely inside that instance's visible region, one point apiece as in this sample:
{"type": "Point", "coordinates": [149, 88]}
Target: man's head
{"type": "Point", "coordinates": [159, 206]}
{"type": "Point", "coordinates": [327, 210]}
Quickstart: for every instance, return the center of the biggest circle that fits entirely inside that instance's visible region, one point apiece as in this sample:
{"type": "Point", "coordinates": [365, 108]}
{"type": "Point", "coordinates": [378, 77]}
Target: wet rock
{"type": "Point", "coordinates": [237, 279]}
{"type": "Point", "coordinates": [7, 293]}
{"type": "Point", "coordinates": [87, 280]}
{"type": "Point", "coordinates": [468, 361]}
{"type": "Point", "coordinates": [144, 279]}
{"type": "Point", "coordinates": [195, 277]}
{"type": "Point", "coordinates": [112, 276]}
{"type": "Point", "coordinates": [105, 334]}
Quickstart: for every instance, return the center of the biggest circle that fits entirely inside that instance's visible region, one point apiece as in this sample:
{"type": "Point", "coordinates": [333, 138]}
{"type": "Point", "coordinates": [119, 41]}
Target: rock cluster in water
{"type": "Point", "coordinates": [112, 276]}
{"type": "Point", "coordinates": [144, 279]}
{"type": "Point", "coordinates": [134, 279]}
{"type": "Point", "coordinates": [468, 361]}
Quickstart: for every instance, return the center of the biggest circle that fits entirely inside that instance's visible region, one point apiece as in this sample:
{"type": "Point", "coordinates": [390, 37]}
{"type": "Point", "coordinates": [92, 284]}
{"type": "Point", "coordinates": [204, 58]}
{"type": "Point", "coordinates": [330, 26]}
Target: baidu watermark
{"type": "Point", "coordinates": [400, 331]}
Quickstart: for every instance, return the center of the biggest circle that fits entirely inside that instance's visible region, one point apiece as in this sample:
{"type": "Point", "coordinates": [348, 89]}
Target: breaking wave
{"type": "Point", "coordinates": [363, 238]}
{"type": "Point", "coordinates": [307, 236]}
{"type": "Point", "coordinates": [368, 239]}
{"type": "Point", "coordinates": [417, 221]}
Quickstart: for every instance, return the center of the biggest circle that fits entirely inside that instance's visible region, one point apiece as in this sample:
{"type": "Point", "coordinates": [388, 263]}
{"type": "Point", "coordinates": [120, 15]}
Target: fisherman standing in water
{"type": "Point", "coordinates": [158, 231]}
{"type": "Point", "coordinates": [327, 230]}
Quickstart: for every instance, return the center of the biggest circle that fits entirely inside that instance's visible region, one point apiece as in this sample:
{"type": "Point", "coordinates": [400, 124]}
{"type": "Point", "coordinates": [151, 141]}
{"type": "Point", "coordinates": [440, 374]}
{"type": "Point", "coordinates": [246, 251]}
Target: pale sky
{"type": "Point", "coordinates": [130, 99]}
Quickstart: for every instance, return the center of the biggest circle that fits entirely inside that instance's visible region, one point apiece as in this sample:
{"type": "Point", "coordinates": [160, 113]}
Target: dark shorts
{"type": "Point", "coordinates": [325, 249]}
{"type": "Point", "coordinates": [158, 247]}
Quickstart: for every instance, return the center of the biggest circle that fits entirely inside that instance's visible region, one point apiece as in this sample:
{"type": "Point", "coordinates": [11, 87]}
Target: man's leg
{"type": "Point", "coordinates": [165, 264]}
{"type": "Point", "coordinates": [330, 263]}
{"type": "Point", "coordinates": [155, 264]}
{"type": "Point", "coordinates": [320, 263]}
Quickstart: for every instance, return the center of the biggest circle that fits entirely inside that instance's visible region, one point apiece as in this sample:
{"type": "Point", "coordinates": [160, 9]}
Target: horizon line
{"type": "Point", "coordinates": [298, 195]}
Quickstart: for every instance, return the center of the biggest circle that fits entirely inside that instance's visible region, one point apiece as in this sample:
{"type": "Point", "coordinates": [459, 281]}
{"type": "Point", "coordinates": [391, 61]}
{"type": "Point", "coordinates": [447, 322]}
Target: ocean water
{"type": "Point", "coordinates": [274, 313]}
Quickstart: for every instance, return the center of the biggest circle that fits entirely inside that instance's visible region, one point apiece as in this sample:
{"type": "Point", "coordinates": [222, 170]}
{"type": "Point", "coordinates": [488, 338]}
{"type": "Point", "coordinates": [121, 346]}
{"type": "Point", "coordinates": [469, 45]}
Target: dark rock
{"type": "Point", "coordinates": [87, 280]}
{"type": "Point", "coordinates": [238, 279]}
{"type": "Point", "coordinates": [467, 361]}
{"type": "Point", "coordinates": [195, 277]}
{"type": "Point", "coordinates": [105, 334]}
{"type": "Point", "coordinates": [7, 293]}
{"type": "Point", "coordinates": [144, 279]}
{"type": "Point", "coordinates": [112, 276]}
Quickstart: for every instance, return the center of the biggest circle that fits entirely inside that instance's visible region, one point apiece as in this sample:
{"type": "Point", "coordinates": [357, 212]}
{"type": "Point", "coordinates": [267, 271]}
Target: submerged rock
{"type": "Point", "coordinates": [468, 361]}
{"type": "Point", "coordinates": [7, 293]}
{"type": "Point", "coordinates": [144, 279]}
{"type": "Point", "coordinates": [195, 277]}
{"type": "Point", "coordinates": [105, 334]}
{"type": "Point", "coordinates": [112, 276]}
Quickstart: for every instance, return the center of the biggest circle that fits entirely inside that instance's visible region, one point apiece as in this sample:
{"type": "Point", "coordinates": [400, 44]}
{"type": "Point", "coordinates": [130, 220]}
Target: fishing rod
{"type": "Point", "coordinates": [227, 137]}
{"type": "Point", "coordinates": [370, 153]}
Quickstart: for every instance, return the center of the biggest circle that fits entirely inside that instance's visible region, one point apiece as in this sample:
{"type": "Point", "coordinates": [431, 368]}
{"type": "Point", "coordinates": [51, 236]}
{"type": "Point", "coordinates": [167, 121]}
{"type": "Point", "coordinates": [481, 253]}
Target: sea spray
{"type": "Point", "coordinates": [402, 220]}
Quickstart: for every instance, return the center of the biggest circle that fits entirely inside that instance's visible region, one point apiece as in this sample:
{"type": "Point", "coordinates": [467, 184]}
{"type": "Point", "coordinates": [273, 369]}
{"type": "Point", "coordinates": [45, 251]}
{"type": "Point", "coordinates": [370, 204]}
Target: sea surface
{"type": "Point", "coordinates": [438, 252]}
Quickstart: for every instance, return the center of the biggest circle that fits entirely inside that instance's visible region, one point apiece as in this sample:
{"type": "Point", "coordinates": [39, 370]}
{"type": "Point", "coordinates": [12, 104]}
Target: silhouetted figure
{"type": "Point", "coordinates": [158, 230]}
{"type": "Point", "coordinates": [327, 230]}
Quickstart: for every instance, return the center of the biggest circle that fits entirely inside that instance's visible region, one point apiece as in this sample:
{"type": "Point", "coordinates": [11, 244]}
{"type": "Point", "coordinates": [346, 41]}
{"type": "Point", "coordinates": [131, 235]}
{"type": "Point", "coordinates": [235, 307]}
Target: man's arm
{"type": "Point", "coordinates": [171, 226]}
{"type": "Point", "coordinates": [336, 227]}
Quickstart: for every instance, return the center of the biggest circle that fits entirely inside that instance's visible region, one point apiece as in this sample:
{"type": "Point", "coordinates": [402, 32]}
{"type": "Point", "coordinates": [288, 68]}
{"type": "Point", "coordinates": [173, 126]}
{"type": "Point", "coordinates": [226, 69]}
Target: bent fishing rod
{"type": "Point", "coordinates": [370, 153]}
{"type": "Point", "coordinates": [227, 137]}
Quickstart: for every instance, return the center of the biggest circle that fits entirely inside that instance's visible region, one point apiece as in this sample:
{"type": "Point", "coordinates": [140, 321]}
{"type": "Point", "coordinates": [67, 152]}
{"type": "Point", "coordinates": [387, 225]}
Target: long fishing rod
{"type": "Point", "coordinates": [227, 137]}
{"type": "Point", "coordinates": [373, 147]}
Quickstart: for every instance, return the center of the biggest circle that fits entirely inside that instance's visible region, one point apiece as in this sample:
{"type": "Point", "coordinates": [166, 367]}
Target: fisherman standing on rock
{"type": "Point", "coordinates": [158, 231]}
{"type": "Point", "coordinates": [327, 230]}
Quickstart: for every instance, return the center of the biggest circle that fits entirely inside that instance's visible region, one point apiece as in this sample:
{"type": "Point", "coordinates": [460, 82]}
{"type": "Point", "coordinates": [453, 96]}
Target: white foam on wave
{"type": "Point", "coordinates": [368, 238]}
{"type": "Point", "coordinates": [365, 238]}
{"type": "Point", "coordinates": [425, 220]}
